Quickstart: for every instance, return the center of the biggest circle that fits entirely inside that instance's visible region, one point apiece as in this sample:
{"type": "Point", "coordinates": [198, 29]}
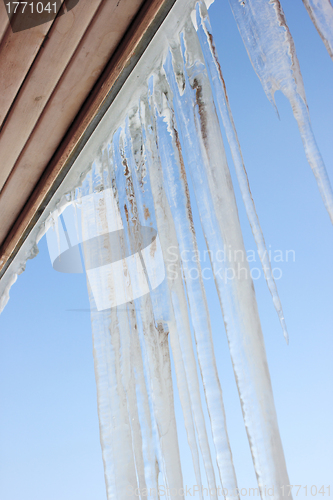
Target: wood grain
{"type": "Point", "coordinates": [17, 53]}
{"type": "Point", "coordinates": [44, 75]}
{"type": "Point", "coordinates": [86, 65]}
{"type": "Point", "coordinates": [4, 21]}
{"type": "Point", "coordinates": [121, 64]}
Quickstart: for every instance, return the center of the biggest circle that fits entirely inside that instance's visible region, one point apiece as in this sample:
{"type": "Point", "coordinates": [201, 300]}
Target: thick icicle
{"type": "Point", "coordinates": [212, 63]}
{"type": "Point", "coordinates": [180, 204]}
{"type": "Point", "coordinates": [184, 332]}
{"type": "Point", "coordinates": [146, 212]}
{"type": "Point", "coordinates": [115, 431]}
{"type": "Point", "coordinates": [134, 385]}
{"type": "Point", "coordinates": [180, 307]}
{"type": "Point", "coordinates": [129, 357]}
{"type": "Point", "coordinates": [166, 231]}
{"type": "Point", "coordinates": [185, 341]}
{"type": "Point", "coordinates": [114, 422]}
{"type": "Point", "coordinates": [119, 327]}
{"type": "Point", "coordinates": [153, 337]}
{"type": "Point", "coordinates": [321, 13]}
{"type": "Point", "coordinates": [271, 49]}
{"type": "Point", "coordinates": [144, 436]}
{"type": "Point", "coordinates": [219, 217]}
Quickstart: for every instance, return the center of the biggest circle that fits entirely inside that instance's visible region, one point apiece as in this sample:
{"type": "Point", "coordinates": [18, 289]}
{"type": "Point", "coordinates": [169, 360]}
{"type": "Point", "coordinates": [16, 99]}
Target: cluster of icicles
{"type": "Point", "coordinates": [173, 133]}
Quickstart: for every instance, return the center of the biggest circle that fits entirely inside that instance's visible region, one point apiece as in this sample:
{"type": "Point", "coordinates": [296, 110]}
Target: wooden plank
{"type": "Point", "coordinates": [94, 51]}
{"type": "Point", "coordinates": [17, 53]}
{"type": "Point", "coordinates": [132, 47]}
{"type": "Point", "coordinates": [4, 20]}
{"type": "Point", "coordinates": [46, 71]}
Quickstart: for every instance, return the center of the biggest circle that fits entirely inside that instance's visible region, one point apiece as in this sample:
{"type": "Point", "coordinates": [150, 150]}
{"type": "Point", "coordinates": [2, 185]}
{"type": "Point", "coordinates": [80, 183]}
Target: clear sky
{"type": "Point", "coordinates": [48, 420]}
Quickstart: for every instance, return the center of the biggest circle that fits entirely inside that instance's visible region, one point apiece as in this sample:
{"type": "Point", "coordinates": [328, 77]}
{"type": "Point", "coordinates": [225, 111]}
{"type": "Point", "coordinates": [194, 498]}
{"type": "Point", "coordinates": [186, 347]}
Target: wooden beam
{"type": "Point", "coordinates": [88, 62]}
{"type": "Point", "coordinates": [116, 72]}
{"type": "Point", "coordinates": [44, 75]}
{"type": "Point", "coordinates": [17, 53]}
{"type": "Point", "coordinates": [4, 20]}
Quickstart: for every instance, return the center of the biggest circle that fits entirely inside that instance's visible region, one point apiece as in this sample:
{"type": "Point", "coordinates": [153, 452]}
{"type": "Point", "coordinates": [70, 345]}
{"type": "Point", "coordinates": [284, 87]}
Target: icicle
{"type": "Point", "coordinates": [211, 59]}
{"type": "Point", "coordinates": [185, 341]}
{"type": "Point", "coordinates": [271, 49]}
{"type": "Point", "coordinates": [144, 149]}
{"type": "Point", "coordinates": [141, 413]}
{"type": "Point", "coordinates": [207, 163]}
{"type": "Point", "coordinates": [131, 364]}
{"type": "Point", "coordinates": [115, 429]}
{"type": "Point", "coordinates": [321, 13]}
{"type": "Point", "coordinates": [179, 200]}
{"type": "Point", "coordinates": [167, 235]}
{"type": "Point", "coordinates": [153, 337]}
{"type": "Point", "coordinates": [138, 403]}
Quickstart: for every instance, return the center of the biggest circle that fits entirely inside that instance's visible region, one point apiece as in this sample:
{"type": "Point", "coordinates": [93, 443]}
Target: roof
{"type": "Point", "coordinates": [57, 79]}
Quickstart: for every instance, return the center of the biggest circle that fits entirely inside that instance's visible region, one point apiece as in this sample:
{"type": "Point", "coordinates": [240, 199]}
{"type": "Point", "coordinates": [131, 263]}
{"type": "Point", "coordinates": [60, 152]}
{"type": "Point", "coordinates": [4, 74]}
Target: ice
{"type": "Point", "coordinates": [321, 13]}
{"type": "Point", "coordinates": [180, 204]}
{"type": "Point", "coordinates": [271, 49]}
{"type": "Point", "coordinates": [168, 237]}
{"type": "Point", "coordinates": [151, 327]}
{"type": "Point", "coordinates": [127, 203]}
{"type": "Point", "coordinates": [214, 68]}
{"type": "Point", "coordinates": [219, 218]}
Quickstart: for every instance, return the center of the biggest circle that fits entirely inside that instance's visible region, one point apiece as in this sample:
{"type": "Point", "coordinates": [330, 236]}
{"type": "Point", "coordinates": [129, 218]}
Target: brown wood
{"type": "Point", "coordinates": [87, 64]}
{"type": "Point", "coordinates": [17, 53]}
{"type": "Point", "coordinates": [51, 62]}
{"type": "Point", "coordinates": [128, 53]}
{"type": "Point", "coordinates": [4, 21]}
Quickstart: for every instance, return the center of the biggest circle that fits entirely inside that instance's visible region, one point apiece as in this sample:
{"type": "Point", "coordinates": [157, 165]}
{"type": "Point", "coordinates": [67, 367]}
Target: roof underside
{"type": "Point", "coordinates": [56, 81]}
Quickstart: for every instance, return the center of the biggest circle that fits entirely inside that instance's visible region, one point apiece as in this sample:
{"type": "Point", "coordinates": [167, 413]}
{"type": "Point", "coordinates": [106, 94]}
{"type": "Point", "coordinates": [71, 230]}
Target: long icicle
{"type": "Point", "coordinates": [153, 337]}
{"type": "Point", "coordinates": [144, 436]}
{"type": "Point", "coordinates": [213, 65]}
{"type": "Point", "coordinates": [127, 361]}
{"type": "Point", "coordinates": [184, 331]}
{"type": "Point", "coordinates": [179, 201]}
{"type": "Point", "coordinates": [166, 231]}
{"type": "Point", "coordinates": [115, 430]}
{"type": "Point", "coordinates": [321, 13]}
{"type": "Point", "coordinates": [219, 218]}
{"type": "Point", "coordinates": [271, 49]}
{"type": "Point", "coordinates": [175, 326]}
{"type": "Point", "coordinates": [134, 383]}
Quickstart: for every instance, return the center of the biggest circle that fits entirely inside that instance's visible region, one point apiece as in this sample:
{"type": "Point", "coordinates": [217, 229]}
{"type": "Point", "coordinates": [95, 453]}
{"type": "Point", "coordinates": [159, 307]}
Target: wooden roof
{"type": "Point", "coordinates": [56, 81]}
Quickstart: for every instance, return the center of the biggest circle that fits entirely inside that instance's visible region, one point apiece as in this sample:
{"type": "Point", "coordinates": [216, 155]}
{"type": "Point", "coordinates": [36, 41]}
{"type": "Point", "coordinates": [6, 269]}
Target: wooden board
{"type": "Point", "coordinates": [45, 73]}
{"type": "Point", "coordinates": [87, 64]}
{"type": "Point", "coordinates": [17, 53]}
{"type": "Point", "coordinates": [117, 70]}
{"type": "Point", "coordinates": [4, 21]}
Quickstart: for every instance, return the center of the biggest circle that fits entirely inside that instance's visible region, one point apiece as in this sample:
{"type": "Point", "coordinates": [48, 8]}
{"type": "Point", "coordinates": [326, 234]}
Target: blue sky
{"type": "Point", "coordinates": [48, 421]}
